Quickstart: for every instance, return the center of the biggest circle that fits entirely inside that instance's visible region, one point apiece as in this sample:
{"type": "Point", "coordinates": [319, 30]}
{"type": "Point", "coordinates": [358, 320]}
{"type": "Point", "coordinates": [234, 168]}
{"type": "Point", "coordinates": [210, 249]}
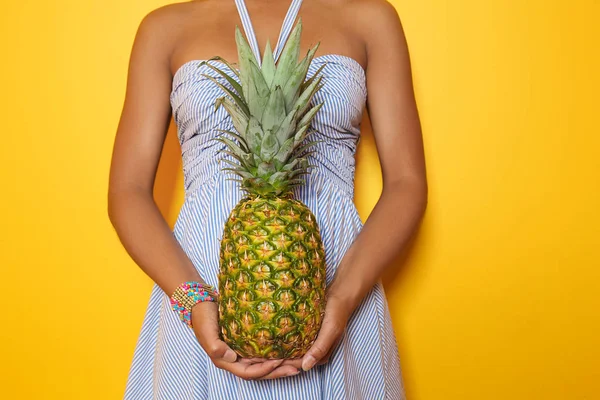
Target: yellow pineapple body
{"type": "Point", "coordinates": [272, 278]}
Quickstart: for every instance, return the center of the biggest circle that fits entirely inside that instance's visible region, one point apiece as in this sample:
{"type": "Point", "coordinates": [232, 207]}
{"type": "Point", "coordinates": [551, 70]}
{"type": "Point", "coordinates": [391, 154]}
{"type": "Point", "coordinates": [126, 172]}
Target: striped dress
{"type": "Point", "coordinates": [168, 362]}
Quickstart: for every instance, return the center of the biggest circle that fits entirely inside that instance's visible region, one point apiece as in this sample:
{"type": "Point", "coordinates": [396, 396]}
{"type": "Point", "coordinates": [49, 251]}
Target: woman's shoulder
{"type": "Point", "coordinates": [165, 25]}
{"type": "Point", "coordinates": [371, 6]}
{"type": "Point", "coordinates": [175, 17]}
{"type": "Point", "coordinates": [175, 14]}
{"type": "Point", "coordinates": [369, 12]}
{"type": "Point", "coordinates": [373, 20]}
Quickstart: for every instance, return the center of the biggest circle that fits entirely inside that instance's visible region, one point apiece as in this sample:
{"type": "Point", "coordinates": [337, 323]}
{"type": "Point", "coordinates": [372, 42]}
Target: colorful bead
{"type": "Point", "coordinates": [189, 294]}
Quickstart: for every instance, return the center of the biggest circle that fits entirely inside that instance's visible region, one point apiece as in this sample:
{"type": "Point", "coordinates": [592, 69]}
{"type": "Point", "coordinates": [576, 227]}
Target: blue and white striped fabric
{"type": "Point", "coordinates": [168, 362]}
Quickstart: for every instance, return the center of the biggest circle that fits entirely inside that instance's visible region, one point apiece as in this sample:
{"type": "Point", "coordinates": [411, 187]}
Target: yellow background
{"type": "Point", "coordinates": [497, 297]}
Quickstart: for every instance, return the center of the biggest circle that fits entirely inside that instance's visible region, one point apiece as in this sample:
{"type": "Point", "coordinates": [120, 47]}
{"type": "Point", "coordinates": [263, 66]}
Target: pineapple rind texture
{"type": "Point", "coordinates": [271, 279]}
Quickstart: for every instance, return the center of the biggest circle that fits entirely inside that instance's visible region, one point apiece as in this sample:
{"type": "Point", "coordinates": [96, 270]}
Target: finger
{"type": "Point", "coordinates": [327, 357]}
{"type": "Point", "coordinates": [206, 328]}
{"type": "Point", "coordinates": [219, 350]}
{"type": "Point", "coordinates": [294, 362]}
{"type": "Point", "coordinates": [329, 333]}
{"type": "Point", "coordinates": [216, 348]}
{"type": "Point", "coordinates": [281, 371]}
{"type": "Point", "coordinates": [250, 371]}
{"type": "Point", "coordinates": [252, 360]}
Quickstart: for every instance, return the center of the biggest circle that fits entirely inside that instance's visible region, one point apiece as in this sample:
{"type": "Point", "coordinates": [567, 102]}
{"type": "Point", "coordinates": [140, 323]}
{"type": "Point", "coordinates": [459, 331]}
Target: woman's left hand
{"type": "Point", "coordinates": [337, 313]}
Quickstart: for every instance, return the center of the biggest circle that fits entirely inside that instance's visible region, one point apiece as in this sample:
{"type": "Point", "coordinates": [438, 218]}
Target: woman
{"type": "Point", "coordinates": [363, 46]}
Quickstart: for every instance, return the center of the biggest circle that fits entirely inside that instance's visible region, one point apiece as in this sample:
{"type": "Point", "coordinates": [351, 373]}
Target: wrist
{"type": "Point", "coordinates": [188, 295]}
{"type": "Point", "coordinates": [348, 289]}
{"type": "Point", "coordinates": [345, 298]}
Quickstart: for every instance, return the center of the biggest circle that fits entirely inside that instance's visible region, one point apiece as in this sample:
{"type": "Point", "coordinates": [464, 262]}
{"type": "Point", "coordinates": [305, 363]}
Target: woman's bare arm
{"type": "Point", "coordinates": [139, 224]}
{"type": "Point", "coordinates": [396, 127]}
{"type": "Point", "coordinates": [138, 144]}
{"type": "Point", "coordinates": [397, 130]}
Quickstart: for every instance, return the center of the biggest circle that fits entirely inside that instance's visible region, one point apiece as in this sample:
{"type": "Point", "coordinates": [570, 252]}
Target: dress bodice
{"type": "Point", "coordinates": [336, 124]}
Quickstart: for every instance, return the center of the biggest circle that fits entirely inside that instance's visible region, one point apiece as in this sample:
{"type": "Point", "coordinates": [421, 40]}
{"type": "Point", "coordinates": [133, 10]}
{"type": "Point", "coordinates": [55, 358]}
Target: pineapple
{"type": "Point", "coordinates": [272, 259]}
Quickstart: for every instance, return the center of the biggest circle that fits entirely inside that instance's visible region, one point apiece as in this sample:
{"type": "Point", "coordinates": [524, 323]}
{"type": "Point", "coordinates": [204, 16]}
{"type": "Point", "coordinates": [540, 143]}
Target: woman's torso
{"type": "Point", "coordinates": [336, 126]}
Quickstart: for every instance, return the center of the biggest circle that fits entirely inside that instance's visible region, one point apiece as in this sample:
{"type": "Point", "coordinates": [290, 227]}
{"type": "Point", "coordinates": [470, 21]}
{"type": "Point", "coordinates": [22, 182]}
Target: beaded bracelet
{"type": "Point", "coordinates": [187, 295]}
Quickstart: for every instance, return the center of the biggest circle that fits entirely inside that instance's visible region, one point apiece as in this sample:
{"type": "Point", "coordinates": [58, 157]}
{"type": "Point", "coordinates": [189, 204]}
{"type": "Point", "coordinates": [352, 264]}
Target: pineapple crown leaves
{"type": "Point", "coordinates": [271, 112]}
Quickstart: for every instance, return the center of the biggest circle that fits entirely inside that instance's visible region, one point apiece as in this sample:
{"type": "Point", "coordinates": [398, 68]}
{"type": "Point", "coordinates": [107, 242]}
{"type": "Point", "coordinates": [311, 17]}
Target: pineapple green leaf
{"type": "Point", "coordinates": [234, 164]}
{"type": "Point", "coordinates": [234, 147]}
{"type": "Point", "coordinates": [308, 153]}
{"type": "Point", "coordinates": [278, 165]}
{"type": "Point", "coordinates": [300, 134]}
{"type": "Point", "coordinates": [258, 91]}
{"type": "Point", "coordinates": [289, 55]}
{"type": "Point", "coordinates": [254, 135]}
{"type": "Point", "coordinates": [277, 177]}
{"type": "Point", "coordinates": [285, 150]}
{"type": "Point", "coordinates": [235, 84]}
{"type": "Point", "coordinates": [241, 140]}
{"type": "Point", "coordinates": [269, 146]}
{"type": "Point", "coordinates": [239, 172]}
{"type": "Point", "coordinates": [238, 100]}
{"type": "Point", "coordinates": [304, 99]}
{"type": "Point", "coordinates": [274, 110]}
{"type": "Point", "coordinates": [265, 168]}
{"type": "Point", "coordinates": [308, 116]}
{"type": "Point", "coordinates": [290, 166]}
{"type": "Point", "coordinates": [287, 126]}
{"type": "Point", "coordinates": [232, 155]}
{"type": "Point", "coordinates": [268, 65]}
{"type": "Point", "coordinates": [235, 167]}
{"type": "Point", "coordinates": [219, 102]}
{"type": "Point", "coordinates": [242, 174]}
{"type": "Point", "coordinates": [224, 61]}
{"type": "Point", "coordinates": [257, 184]}
{"type": "Point", "coordinates": [239, 119]}
{"type": "Point", "coordinates": [292, 87]}
{"type": "Point", "coordinates": [299, 173]}
{"type": "Point", "coordinates": [299, 148]}
{"type": "Point", "coordinates": [314, 76]}
{"type": "Point", "coordinates": [293, 182]}
{"type": "Point", "coordinates": [246, 59]}
{"type": "Point", "coordinates": [248, 160]}
{"type": "Point", "coordinates": [257, 158]}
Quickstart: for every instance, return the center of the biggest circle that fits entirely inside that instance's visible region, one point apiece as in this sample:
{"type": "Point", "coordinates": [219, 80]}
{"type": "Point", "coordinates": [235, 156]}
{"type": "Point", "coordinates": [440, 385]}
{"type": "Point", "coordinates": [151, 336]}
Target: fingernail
{"type": "Point", "coordinates": [308, 363]}
{"type": "Point", "coordinates": [230, 356]}
{"type": "Point", "coordinates": [294, 373]}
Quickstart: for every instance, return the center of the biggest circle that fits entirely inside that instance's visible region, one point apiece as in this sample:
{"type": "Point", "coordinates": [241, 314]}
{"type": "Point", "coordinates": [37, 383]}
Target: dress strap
{"type": "Point", "coordinates": [286, 28]}
{"type": "Point", "coordinates": [284, 32]}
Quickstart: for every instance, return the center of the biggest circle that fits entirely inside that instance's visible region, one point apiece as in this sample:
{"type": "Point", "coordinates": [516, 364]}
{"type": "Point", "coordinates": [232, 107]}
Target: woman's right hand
{"type": "Point", "coordinates": [206, 327]}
